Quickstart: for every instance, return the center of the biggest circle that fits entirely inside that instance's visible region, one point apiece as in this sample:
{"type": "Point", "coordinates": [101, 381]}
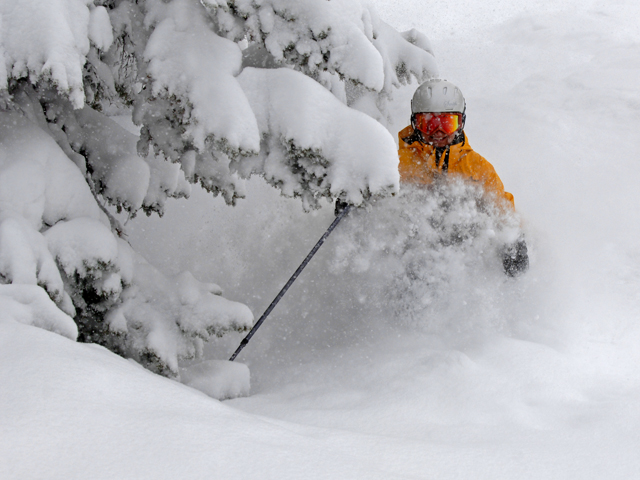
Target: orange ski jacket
{"type": "Point", "coordinates": [419, 164]}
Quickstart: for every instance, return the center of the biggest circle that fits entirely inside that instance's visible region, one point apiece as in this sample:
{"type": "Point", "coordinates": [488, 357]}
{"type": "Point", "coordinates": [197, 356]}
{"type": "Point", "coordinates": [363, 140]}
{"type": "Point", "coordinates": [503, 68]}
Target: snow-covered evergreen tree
{"type": "Point", "coordinates": [294, 91]}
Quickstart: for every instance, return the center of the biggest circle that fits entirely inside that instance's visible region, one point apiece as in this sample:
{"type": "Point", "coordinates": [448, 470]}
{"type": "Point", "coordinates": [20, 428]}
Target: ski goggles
{"type": "Point", "coordinates": [428, 123]}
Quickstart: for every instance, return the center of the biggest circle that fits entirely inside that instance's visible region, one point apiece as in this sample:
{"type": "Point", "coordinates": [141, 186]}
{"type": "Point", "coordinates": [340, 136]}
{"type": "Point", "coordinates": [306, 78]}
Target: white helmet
{"type": "Point", "coordinates": [438, 96]}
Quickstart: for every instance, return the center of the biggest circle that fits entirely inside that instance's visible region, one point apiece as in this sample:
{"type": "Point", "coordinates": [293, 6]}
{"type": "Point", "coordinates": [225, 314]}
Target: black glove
{"type": "Point", "coordinates": [515, 259]}
{"type": "Point", "coordinates": [340, 206]}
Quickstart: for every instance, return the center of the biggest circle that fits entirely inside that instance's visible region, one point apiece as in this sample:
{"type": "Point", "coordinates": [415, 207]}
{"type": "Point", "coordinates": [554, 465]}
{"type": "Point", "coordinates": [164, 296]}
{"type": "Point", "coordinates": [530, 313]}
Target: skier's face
{"type": "Point", "coordinates": [438, 129]}
{"type": "Point", "coordinates": [439, 138]}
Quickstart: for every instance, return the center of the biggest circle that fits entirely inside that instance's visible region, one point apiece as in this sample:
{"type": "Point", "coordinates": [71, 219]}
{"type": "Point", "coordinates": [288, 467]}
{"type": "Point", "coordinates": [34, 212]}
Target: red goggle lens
{"type": "Point", "coordinates": [428, 123]}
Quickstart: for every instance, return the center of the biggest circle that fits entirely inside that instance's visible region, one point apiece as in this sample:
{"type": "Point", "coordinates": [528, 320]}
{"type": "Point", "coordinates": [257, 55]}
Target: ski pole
{"type": "Point", "coordinates": [304, 263]}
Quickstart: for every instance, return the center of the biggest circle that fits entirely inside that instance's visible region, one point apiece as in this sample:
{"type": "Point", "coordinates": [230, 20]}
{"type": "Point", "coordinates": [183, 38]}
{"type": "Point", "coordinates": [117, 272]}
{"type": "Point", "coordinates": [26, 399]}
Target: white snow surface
{"type": "Point", "coordinates": [533, 378]}
{"type": "Point", "coordinates": [219, 379]}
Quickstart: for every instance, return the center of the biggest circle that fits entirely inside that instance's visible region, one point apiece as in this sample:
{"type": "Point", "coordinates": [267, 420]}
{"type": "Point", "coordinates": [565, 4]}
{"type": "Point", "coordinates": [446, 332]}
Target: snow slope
{"type": "Point", "coordinates": [533, 379]}
{"type": "Point", "coordinates": [86, 413]}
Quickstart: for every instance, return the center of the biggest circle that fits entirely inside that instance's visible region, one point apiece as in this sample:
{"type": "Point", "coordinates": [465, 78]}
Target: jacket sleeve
{"type": "Point", "coordinates": [410, 166]}
{"type": "Point", "coordinates": [406, 166]}
{"type": "Point", "coordinates": [482, 171]}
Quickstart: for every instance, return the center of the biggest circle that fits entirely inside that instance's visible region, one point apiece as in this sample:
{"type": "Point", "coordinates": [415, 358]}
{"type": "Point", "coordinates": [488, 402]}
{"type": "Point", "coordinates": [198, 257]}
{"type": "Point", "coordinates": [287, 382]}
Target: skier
{"type": "Point", "coordinates": [435, 144]}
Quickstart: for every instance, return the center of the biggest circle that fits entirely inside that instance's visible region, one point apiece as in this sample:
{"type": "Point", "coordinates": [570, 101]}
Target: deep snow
{"type": "Point", "coordinates": [531, 379]}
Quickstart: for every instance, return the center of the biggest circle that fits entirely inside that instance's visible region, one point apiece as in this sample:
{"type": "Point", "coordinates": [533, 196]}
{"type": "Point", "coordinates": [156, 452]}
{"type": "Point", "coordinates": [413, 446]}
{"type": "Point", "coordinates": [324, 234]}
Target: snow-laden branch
{"type": "Point", "coordinates": [195, 69]}
{"type": "Point", "coordinates": [315, 146]}
{"type": "Point", "coordinates": [50, 40]}
{"type": "Point", "coordinates": [343, 37]}
{"type": "Point", "coordinates": [184, 72]}
{"type": "Point", "coordinates": [55, 239]}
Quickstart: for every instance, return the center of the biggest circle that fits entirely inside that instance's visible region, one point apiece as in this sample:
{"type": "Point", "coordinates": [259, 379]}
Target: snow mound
{"type": "Point", "coordinates": [219, 379]}
{"type": "Point", "coordinates": [127, 423]}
